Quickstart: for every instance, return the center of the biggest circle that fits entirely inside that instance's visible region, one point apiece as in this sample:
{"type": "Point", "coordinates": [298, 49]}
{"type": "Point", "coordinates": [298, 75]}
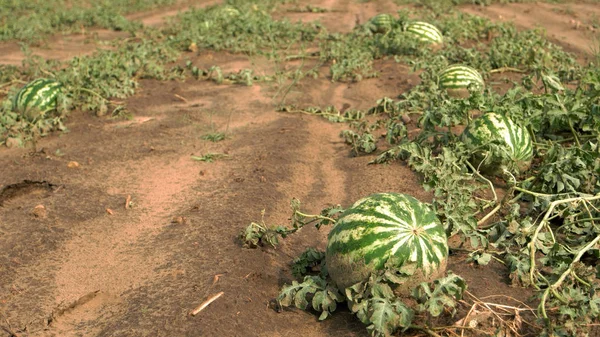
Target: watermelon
{"type": "Point", "coordinates": [513, 150]}
{"type": "Point", "coordinates": [456, 80]}
{"type": "Point", "coordinates": [425, 32]}
{"type": "Point", "coordinates": [230, 11]}
{"type": "Point", "coordinates": [37, 98]}
{"type": "Point", "coordinates": [382, 23]}
{"type": "Point", "coordinates": [224, 13]}
{"type": "Point", "coordinates": [387, 227]}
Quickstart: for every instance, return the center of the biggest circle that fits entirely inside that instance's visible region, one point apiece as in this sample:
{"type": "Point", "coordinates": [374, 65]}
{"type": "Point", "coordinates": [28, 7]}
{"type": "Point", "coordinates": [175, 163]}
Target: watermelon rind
{"type": "Point", "coordinates": [457, 79]}
{"type": "Point", "coordinates": [383, 228]}
{"type": "Point", "coordinates": [499, 144]}
{"type": "Point", "coordinates": [37, 98]}
{"type": "Point", "coordinates": [230, 11]}
{"type": "Point", "coordinates": [382, 23]}
{"type": "Point", "coordinates": [425, 32]}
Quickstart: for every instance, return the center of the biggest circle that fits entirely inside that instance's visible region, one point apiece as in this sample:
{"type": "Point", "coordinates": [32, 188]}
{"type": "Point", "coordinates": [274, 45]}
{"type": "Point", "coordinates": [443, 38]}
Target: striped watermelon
{"type": "Point", "coordinates": [37, 98]}
{"type": "Point", "coordinates": [382, 23]}
{"type": "Point", "coordinates": [425, 32]}
{"type": "Point", "coordinates": [513, 140]}
{"type": "Point", "coordinates": [229, 11]}
{"type": "Point", "coordinates": [386, 226]}
{"type": "Point", "coordinates": [456, 79]}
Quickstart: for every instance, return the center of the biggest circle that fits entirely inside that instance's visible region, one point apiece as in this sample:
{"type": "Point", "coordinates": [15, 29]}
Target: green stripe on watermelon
{"type": "Point", "coordinates": [512, 140]}
{"type": "Point", "coordinates": [425, 32]}
{"type": "Point", "coordinates": [386, 226]}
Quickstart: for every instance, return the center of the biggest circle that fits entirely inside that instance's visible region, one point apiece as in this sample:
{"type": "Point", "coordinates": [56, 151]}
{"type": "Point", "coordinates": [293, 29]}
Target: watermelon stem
{"type": "Point", "coordinates": [93, 93]}
{"type": "Point", "coordinates": [574, 133]}
{"type": "Point", "coordinates": [476, 172]}
{"type": "Point", "coordinates": [425, 330]}
{"type": "Point", "coordinates": [258, 233]}
{"type": "Point", "coordinates": [570, 271]}
{"type": "Point", "coordinates": [545, 224]}
{"type": "Point", "coordinates": [315, 217]}
{"type": "Point", "coordinates": [489, 215]}
{"type": "Point", "coordinates": [506, 69]}
{"type": "Point", "coordinates": [544, 195]}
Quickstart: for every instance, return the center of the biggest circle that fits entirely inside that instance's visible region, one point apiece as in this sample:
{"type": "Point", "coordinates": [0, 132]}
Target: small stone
{"type": "Point", "coordinates": [39, 211]}
{"type": "Point", "coordinates": [178, 220]}
{"type": "Point", "coordinates": [13, 142]}
{"type": "Point", "coordinates": [406, 119]}
{"type": "Point", "coordinates": [73, 164]}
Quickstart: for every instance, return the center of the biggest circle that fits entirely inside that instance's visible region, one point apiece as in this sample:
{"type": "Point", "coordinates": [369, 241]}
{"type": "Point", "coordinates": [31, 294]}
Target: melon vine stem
{"type": "Point", "coordinates": [93, 93]}
{"type": "Point", "coordinates": [315, 217]}
{"type": "Point", "coordinates": [544, 223]}
{"type": "Point", "coordinates": [545, 195]}
{"type": "Point", "coordinates": [552, 288]}
{"type": "Point", "coordinates": [506, 69]}
{"type": "Point", "coordinates": [476, 172]}
{"type": "Point", "coordinates": [425, 330]}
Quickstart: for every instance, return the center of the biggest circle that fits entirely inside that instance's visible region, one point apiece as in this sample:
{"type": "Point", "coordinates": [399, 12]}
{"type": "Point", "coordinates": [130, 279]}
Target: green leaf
{"type": "Point", "coordinates": [286, 296]}
{"type": "Point", "coordinates": [382, 290]}
{"type": "Point", "coordinates": [300, 301]}
{"type": "Point", "coordinates": [303, 264]}
{"type": "Point", "coordinates": [315, 291]}
{"type": "Point", "coordinates": [440, 295]}
{"type": "Point", "coordinates": [387, 316]}
{"type": "Point", "coordinates": [481, 258]}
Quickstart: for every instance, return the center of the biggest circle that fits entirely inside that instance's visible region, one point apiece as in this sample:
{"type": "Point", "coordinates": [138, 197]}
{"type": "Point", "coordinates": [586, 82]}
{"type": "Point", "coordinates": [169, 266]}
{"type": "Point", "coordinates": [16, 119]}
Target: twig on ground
{"type": "Point", "coordinates": [498, 311]}
{"type": "Point", "coordinates": [206, 303]}
{"type": "Point", "coordinates": [181, 98]}
{"type": "Point", "coordinates": [216, 278]}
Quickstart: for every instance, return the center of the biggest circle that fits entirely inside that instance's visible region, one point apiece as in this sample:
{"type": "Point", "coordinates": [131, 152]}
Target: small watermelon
{"type": "Point", "coordinates": [229, 11]}
{"type": "Point", "coordinates": [513, 148]}
{"type": "Point", "coordinates": [382, 227]}
{"type": "Point", "coordinates": [425, 32]}
{"type": "Point", "coordinates": [456, 80]}
{"type": "Point", "coordinates": [37, 98]}
{"type": "Point", "coordinates": [382, 23]}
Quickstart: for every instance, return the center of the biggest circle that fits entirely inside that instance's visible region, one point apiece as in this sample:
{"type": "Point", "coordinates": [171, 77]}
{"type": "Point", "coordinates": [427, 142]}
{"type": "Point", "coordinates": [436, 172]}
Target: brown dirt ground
{"type": "Point", "coordinates": [84, 265]}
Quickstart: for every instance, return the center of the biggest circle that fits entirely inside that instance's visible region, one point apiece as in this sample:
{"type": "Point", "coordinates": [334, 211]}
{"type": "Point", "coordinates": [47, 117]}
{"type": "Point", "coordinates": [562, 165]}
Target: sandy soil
{"type": "Point", "coordinates": [138, 234]}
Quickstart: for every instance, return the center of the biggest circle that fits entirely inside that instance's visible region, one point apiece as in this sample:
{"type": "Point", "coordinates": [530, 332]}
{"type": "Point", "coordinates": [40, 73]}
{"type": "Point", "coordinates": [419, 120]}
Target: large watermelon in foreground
{"type": "Point", "coordinates": [457, 79]}
{"type": "Point", "coordinates": [387, 226]}
{"type": "Point", "coordinates": [37, 98]}
{"type": "Point", "coordinates": [512, 147]}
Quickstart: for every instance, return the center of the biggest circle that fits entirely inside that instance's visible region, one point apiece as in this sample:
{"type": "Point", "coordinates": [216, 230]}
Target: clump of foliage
{"type": "Point", "coordinates": [544, 228]}
{"type": "Point", "coordinates": [542, 223]}
{"type": "Point", "coordinates": [373, 300]}
{"type": "Point", "coordinates": [260, 234]}
{"type": "Point", "coordinates": [62, 16]}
